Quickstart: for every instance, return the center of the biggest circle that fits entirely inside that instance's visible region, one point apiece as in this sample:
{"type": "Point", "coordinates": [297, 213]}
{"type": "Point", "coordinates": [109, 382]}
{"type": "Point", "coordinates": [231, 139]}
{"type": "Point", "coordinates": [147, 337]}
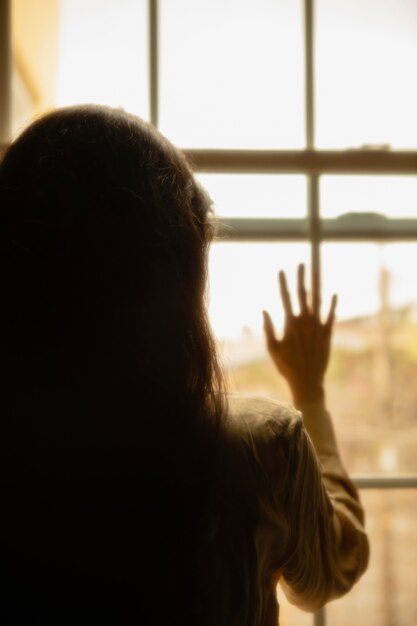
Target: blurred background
{"type": "Point", "coordinates": [281, 78]}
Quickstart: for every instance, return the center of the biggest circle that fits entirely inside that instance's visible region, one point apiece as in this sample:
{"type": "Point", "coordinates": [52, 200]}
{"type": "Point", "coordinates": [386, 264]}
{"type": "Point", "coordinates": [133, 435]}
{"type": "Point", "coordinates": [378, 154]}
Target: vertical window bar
{"type": "Point", "coordinates": [314, 230]}
{"type": "Point", "coordinates": [5, 71]}
{"type": "Point", "coordinates": [313, 179]}
{"type": "Point", "coordinates": [309, 72]}
{"type": "Point", "coordinates": [153, 61]}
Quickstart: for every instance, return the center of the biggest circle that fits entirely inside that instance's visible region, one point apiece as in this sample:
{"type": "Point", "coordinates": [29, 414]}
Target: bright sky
{"type": "Point", "coordinates": [232, 76]}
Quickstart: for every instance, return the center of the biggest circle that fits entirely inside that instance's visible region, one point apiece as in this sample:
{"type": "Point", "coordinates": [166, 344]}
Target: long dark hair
{"type": "Point", "coordinates": [105, 342]}
{"type": "Point", "coordinates": [104, 238]}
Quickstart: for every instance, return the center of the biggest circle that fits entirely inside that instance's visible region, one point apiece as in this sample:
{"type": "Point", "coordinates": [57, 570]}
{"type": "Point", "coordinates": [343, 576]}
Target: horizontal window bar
{"type": "Point", "coordinates": [376, 161]}
{"type": "Point", "coordinates": [406, 481]}
{"type": "Point", "coordinates": [362, 161]}
{"type": "Point", "coordinates": [347, 227]}
{"type": "Point", "coordinates": [262, 229]}
{"type": "Point", "coordinates": [368, 226]}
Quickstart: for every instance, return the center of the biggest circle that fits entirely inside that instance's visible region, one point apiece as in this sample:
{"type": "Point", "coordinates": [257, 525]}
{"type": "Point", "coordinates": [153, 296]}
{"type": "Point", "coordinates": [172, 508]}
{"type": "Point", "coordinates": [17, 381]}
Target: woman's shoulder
{"type": "Point", "coordinates": [264, 430]}
{"type": "Point", "coordinates": [262, 436]}
{"type": "Point", "coordinates": [258, 415]}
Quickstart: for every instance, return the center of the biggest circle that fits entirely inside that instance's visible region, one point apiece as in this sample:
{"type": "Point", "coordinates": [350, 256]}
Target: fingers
{"type": "Point", "coordinates": [302, 294]}
{"type": "Point", "coordinates": [316, 294]}
{"type": "Point", "coordinates": [271, 339]}
{"type": "Point", "coordinates": [285, 296]}
{"type": "Point", "coordinates": [332, 312]}
{"type": "Point", "coordinates": [303, 298]}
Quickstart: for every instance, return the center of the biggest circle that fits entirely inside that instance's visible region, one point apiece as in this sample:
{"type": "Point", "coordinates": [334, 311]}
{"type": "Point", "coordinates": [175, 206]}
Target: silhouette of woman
{"type": "Point", "coordinates": [134, 490]}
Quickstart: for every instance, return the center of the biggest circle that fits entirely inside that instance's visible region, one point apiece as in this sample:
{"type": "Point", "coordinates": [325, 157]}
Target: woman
{"type": "Point", "coordinates": [134, 489]}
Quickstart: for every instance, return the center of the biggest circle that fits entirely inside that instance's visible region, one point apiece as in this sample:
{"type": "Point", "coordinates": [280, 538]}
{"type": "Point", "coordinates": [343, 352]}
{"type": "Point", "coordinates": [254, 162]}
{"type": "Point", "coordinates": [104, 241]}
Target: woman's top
{"type": "Point", "coordinates": [309, 528]}
{"type": "Point", "coordinates": [129, 537]}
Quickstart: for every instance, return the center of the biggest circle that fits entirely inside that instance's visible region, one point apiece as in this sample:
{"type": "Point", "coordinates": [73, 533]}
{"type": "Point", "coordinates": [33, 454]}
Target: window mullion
{"type": "Point", "coordinates": [368, 227]}
{"type": "Point", "coordinates": [262, 229]}
{"type": "Point", "coordinates": [153, 23]}
{"type": "Point", "coordinates": [349, 227]}
{"type": "Point", "coordinates": [313, 209]}
{"type": "Point", "coordinates": [312, 179]}
{"type": "Point", "coordinates": [404, 481]}
{"type": "Point", "coordinates": [309, 72]}
{"type": "Point", "coordinates": [309, 161]}
{"type": "Point", "coordinates": [314, 230]}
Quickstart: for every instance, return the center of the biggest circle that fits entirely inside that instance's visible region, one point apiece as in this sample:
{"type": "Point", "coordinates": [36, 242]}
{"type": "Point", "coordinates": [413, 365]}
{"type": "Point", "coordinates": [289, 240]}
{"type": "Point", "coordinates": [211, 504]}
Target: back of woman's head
{"type": "Point", "coordinates": [103, 251]}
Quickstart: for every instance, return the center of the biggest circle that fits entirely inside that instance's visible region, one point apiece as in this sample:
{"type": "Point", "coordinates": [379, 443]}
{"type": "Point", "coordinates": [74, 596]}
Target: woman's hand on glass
{"type": "Point", "coordinates": [302, 354]}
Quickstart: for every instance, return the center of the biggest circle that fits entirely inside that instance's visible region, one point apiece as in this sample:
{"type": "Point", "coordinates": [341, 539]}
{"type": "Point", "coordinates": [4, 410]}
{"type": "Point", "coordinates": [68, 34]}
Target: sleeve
{"type": "Point", "coordinates": [328, 549]}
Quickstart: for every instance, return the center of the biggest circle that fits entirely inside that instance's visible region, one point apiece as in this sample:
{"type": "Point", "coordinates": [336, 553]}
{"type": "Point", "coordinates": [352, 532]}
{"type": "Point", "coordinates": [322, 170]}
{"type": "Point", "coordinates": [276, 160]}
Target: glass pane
{"type": "Point", "coordinates": [253, 195]}
{"type": "Point", "coordinates": [243, 282]}
{"type": "Point", "coordinates": [103, 54]}
{"type": "Point", "coordinates": [386, 595]}
{"type": "Point", "coordinates": [366, 55]}
{"type": "Point", "coordinates": [372, 382]}
{"type": "Point", "coordinates": [392, 196]}
{"type": "Point", "coordinates": [78, 51]}
{"type": "Point", "coordinates": [232, 73]}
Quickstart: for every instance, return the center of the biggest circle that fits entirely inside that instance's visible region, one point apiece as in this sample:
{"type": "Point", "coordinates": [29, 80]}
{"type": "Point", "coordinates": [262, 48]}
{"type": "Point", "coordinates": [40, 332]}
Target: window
{"type": "Point", "coordinates": [300, 118]}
